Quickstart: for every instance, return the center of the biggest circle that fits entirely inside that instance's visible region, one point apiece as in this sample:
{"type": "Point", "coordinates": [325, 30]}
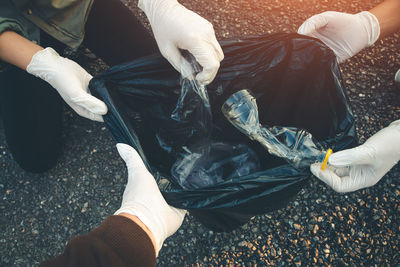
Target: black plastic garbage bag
{"type": "Point", "coordinates": [296, 83]}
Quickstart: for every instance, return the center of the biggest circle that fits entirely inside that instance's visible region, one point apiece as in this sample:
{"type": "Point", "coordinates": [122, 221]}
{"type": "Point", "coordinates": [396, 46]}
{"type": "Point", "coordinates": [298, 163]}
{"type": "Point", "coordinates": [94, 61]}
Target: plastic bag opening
{"type": "Point", "coordinates": [296, 83]}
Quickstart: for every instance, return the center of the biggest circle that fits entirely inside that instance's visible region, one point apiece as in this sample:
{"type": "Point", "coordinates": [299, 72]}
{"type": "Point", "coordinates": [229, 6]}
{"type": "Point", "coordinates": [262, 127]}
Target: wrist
{"type": "Point", "coordinates": [387, 14]}
{"type": "Point", "coordinates": [16, 49]}
{"type": "Point", "coordinates": [42, 61]}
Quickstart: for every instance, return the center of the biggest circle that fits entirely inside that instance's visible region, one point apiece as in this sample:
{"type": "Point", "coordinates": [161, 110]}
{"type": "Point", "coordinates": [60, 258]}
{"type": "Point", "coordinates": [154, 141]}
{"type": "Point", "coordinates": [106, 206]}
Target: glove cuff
{"type": "Point", "coordinates": [42, 62]}
{"type": "Point", "coordinates": [371, 26]}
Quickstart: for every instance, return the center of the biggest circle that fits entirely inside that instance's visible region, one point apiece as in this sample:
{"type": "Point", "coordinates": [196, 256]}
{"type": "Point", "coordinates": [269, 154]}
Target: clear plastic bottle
{"type": "Point", "coordinates": [295, 145]}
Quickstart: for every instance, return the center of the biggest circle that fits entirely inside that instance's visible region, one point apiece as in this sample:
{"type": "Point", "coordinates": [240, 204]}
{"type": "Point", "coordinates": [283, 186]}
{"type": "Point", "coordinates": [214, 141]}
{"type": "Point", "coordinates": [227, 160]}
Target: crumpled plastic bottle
{"type": "Point", "coordinates": [295, 145]}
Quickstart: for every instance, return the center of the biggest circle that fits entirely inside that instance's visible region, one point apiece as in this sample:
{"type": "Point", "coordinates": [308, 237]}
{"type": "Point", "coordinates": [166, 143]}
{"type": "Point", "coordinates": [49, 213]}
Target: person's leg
{"type": "Point", "coordinates": [31, 112]}
{"type": "Point", "coordinates": [114, 33]}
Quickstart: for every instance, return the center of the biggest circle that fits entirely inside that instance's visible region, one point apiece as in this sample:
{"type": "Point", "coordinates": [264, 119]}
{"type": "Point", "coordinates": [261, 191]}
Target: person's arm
{"type": "Point", "coordinates": [135, 234]}
{"type": "Point", "coordinates": [17, 50]}
{"type": "Point", "coordinates": [388, 15]}
{"type": "Point", "coordinates": [347, 34]}
{"type": "Point", "coordinates": [66, 76]}
{"type": "Point", "coordinates": [118, 241]}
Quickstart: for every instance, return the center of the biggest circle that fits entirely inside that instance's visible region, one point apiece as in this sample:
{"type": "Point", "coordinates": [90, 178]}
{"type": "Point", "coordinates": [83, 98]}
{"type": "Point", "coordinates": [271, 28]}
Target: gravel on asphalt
{"type": "Point", "coordinates": [41, 212]}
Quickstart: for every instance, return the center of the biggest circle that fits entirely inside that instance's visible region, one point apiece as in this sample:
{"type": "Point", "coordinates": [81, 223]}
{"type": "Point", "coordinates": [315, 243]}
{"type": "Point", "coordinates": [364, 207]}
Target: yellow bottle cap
{"type": "Point", "coordinates": [328, 153]}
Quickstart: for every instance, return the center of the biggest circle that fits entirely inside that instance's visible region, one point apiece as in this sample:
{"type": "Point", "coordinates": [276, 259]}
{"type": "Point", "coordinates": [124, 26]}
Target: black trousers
{"type": "Point", "coordinates": [32, 109]}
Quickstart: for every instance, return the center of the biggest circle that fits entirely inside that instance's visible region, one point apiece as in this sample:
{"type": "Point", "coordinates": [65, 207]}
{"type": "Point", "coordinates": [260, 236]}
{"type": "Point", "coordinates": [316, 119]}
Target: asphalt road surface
{"type": "Point", "coordinates": [41, 212]}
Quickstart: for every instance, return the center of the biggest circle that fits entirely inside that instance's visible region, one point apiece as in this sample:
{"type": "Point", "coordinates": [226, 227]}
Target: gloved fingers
{"type": "Point", "coordinates": [330, 177]}
{"type": "Point", "coordinates": [87, 79]}
{"type": "Point", "coordinates": [217, 48]}
{"type": "Point", "coordinates": [132, 159]}
{"type": "Point", "coordinates": [90, 103]}
{"type": "Point", "coordinates": [318, 26]}
{"type": "Point", "coordinates": [207, 75]}
{"type": "Point", "coordinates": [96, 117]}
{"type": "Point", "coordinates": [313, 24]}
{"type": "Point", "coordinates": [208, 58]}
{"type": "Point", "coordinates": [355, 156]}
{"type": "Point", "coordinates": [85, 113]}
{"type": "Point", "coordinates": [329, 170]}
{"type": "Point", "coordinates": [175, 58]}
{"type": "Point", "coordinates": [186, 69]}
{"type": "Point", "coordinates": [180, 213]}
{"type": "Point", "coordinates": [82, 77]}
{"type": "Point", "coordinates": [340, 171]}
{"type": "Point", "coordinates": [342, 58]}
{"type": "Point", "coordinates": [346, 184]}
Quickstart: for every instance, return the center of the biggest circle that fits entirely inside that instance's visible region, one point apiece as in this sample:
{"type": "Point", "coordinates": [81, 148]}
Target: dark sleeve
{"type": "Point", "coordinates": [118, 241]}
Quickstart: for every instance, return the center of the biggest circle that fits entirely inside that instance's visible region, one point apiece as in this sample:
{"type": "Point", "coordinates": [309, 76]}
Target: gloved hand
{"type": "Point", "coordinates": [70, 80]}
{"type": "Point", "coordinates": [345, 34]}
{"type": "Point", "coordinates": [365, 165]}
{"type": "Point", "coordinates": [176, 27]}
{"type": "Point", "coordinates": [143, 199]}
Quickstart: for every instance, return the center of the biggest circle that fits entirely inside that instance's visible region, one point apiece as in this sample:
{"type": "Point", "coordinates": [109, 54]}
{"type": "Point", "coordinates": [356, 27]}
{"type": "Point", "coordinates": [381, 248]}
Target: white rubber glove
{"type": "Point", "coordinates": [345, 34]}
{"type": "Point", "coordinates": [365, 165]}
{"type": "Point", "coordinates": [70, 80]}
{"type": "Point", "coordinates": [176, 27]}
{"type": "Point", "coordinates": [397, 76]}
{"type": "Point", "coordinates": [143, 199]}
